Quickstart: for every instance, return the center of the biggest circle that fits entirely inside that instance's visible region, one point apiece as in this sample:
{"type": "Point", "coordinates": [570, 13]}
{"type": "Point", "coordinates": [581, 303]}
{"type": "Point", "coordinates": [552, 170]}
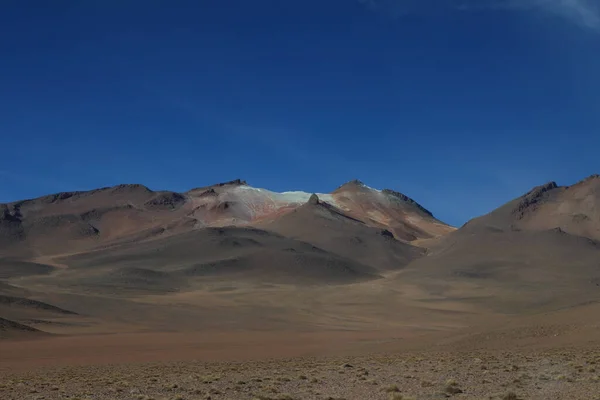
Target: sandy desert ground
{"type": "Point", "coordinates": [288, 365]}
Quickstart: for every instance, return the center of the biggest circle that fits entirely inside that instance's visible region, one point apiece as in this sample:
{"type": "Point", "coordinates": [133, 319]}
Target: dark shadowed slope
{"type": "Point", "coordinates": [228, 253]}
{"type": "Point", "coordinates": [23, 303]}
{"type": "Point", "coordinates": [10, 329]}
{"type": "Point", "coordinates": [11, 268]}
{"type": "Point", "coordinates": [331, 229]}
{"type": "Point", "coordinates": [512, 271]}
{"type": "Point", "coordinates": [12, 290]}
{"type": "Point", "coordinates": [27, 311]}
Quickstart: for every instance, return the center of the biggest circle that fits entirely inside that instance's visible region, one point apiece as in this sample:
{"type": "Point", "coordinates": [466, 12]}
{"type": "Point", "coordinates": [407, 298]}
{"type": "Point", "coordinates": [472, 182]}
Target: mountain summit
{"type": "Point", "coordinates": [574, 209]}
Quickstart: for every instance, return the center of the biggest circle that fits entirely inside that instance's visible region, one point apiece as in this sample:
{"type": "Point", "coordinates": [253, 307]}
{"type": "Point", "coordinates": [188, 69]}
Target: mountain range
{"type": "Point", "coordinates": [127, 258]}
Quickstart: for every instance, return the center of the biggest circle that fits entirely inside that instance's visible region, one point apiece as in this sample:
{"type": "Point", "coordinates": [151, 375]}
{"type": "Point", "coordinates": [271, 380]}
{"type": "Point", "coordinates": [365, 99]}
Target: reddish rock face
{"type": "Point", "coordinates": [390, 210]}
{"type": "Point", "coordinates": [386, 209]}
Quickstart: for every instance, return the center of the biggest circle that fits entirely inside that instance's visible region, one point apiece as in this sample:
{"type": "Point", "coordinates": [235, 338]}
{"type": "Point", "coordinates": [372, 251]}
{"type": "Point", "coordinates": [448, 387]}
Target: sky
{"type": "Point", "coordinates": [459, 104]}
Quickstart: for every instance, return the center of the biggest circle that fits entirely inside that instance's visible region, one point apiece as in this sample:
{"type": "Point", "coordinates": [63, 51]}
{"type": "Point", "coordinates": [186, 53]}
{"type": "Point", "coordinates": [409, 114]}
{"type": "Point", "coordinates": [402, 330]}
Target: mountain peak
{"type": "Point", "coordinates": [206, 189]}
{"type": "Point", "coordinates": [353, 182]}
{"type": "Point", "coordinates": [127, 187]}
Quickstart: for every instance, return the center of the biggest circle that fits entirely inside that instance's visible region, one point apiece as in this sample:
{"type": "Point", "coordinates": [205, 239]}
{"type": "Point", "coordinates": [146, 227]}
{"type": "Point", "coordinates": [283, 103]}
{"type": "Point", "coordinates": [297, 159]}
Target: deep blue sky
{"type": "Point", "coordinates": [460, 109]}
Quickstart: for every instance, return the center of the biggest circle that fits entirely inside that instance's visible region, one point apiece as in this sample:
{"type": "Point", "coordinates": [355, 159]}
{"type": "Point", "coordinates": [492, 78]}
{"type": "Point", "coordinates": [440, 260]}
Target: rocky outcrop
{"type": "Point", "coordinates": [386, 233]}
{"type": "Point", "coordinates": [167, 200]}
{"type": "Point", "coordinates": [134, 187]}
{"type": "Point", "coordinates": [208, 193]}
{"type": "Point", "coordinates": [406, 199]}
{"type": "Point", "coordinates": [532, 199]}
{"type": "Point", "coordinates": [235, 182]}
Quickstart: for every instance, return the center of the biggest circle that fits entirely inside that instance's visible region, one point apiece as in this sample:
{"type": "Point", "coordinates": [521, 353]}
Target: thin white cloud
{"type": "Point", "coordinates": [585, 13]}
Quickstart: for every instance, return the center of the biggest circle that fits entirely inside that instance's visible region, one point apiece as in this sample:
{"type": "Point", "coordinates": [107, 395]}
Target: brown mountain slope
{"type": "Point", "coordinates": [531, 254]}
{"type": "Point", "coordinates": [11, 329]}
{"type": "Point", "coordinates": [81, 221]}
{"type": "Point", "coordinates": [246, 258]}
{"type": "Point", "coordinates": [511, 272]}
{"type": "Point", "coordinates": [575, 209]}
{"type": "Point", "coordinates": [233, 253]}
{"type": "Point", "coordinates": [11, 268]}
{"type": "Point", "coordinates": [181, 261]}
{"type": "Point", "coordinates": [24, 303]}
{"type": "Point", "coordinates": [390, 210]}
{"type": "Point", "coordinates": [75, 221]}
{"type": "Point", "coordinates": [30, 313]}
{"type": "Point", "coordinates": [331, 229]}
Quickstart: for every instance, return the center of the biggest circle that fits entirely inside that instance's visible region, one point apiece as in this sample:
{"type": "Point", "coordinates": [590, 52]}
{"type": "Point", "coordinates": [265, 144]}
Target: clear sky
{"type": "Point", "coordinates": [462, 105]}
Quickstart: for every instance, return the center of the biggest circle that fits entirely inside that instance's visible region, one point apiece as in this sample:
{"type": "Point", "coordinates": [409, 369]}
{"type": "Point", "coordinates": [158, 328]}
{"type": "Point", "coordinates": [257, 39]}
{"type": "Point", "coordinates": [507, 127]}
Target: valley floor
{"type": "Point", "coordinates": [367, 341]}
{"type": "Point", "coordinates": [538, 358]}
{"type": "Point", "coordinates": [566, 373]}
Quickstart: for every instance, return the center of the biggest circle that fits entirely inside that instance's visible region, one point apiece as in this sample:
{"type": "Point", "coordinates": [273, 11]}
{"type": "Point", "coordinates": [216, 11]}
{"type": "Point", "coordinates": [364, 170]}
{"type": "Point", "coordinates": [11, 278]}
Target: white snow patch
{"type": "Point", "coordinates": [302, 197]}
{"type": "Point", "coordinates": [291, 197]}
{"type": "Point", "coordinates": [373, 189]}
